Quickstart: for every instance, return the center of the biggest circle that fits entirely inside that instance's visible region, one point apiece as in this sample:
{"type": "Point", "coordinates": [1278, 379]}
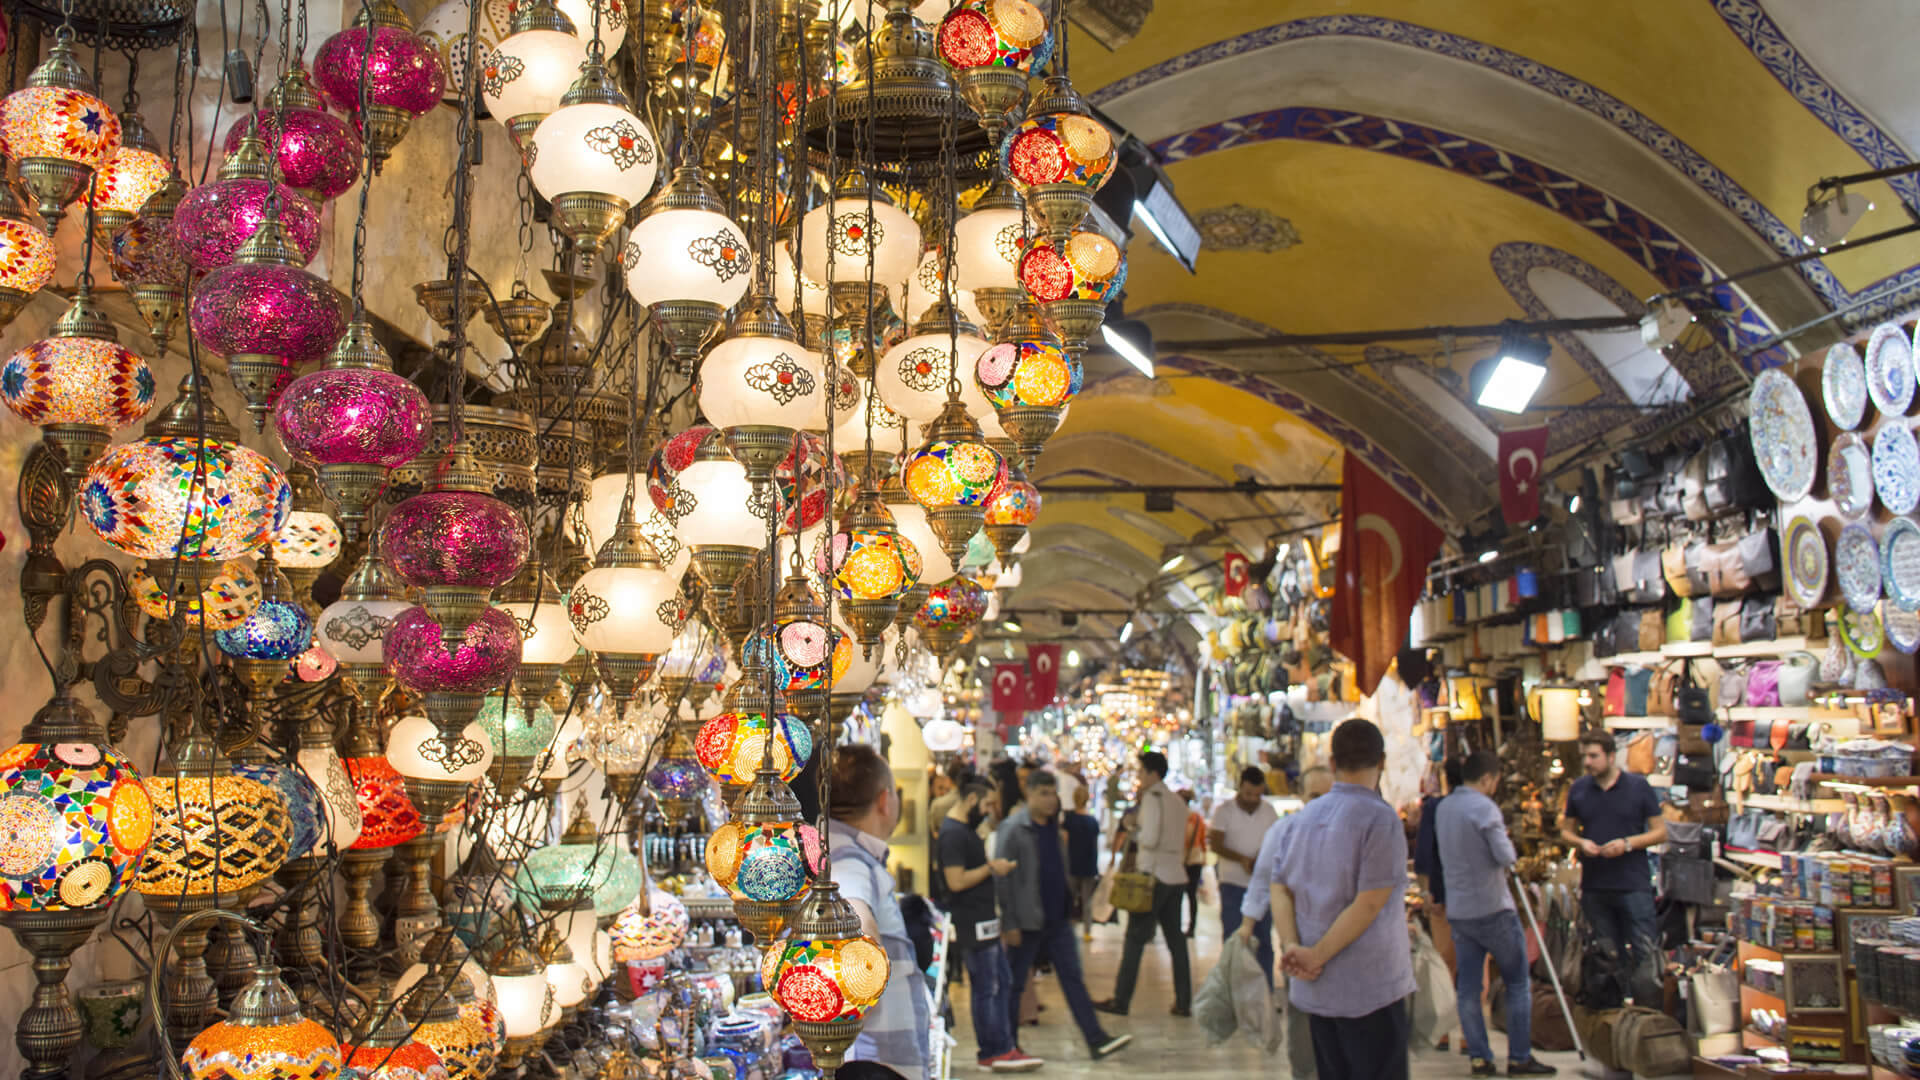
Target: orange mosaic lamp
{"type": "Point", "coordinates": [387, 816]}
{"type": "Point", "coordinates": [265, 1037]}
{"type": "Point", "coordinates": [385, 1048]}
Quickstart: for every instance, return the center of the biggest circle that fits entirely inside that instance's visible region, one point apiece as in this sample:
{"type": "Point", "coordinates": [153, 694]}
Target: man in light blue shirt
{"type": "Point", "coordinates": [1475, 856]}
{"type": "Point", "coordinates": [1340, 911]}
{"type": "Point", "coordinates": [1314, 783]}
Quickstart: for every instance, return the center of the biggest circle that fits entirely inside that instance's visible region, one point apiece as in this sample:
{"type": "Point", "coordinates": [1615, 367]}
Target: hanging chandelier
{"type": "Point", "coordinates": [58, 131]}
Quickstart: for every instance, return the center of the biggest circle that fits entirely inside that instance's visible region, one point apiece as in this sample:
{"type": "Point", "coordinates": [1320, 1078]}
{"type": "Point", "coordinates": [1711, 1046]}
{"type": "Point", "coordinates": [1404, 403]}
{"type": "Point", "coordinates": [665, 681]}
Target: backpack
{"type": "Point", "coordinates": [1602, 980]}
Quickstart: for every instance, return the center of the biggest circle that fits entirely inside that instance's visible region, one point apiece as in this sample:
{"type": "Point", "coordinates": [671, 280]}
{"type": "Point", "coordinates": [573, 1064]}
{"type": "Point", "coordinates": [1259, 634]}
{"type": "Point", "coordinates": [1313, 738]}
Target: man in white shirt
{"type": "Point", "coordinates": [1161, 842]}
{"type": "Point", "coordinates": [1234, 834]}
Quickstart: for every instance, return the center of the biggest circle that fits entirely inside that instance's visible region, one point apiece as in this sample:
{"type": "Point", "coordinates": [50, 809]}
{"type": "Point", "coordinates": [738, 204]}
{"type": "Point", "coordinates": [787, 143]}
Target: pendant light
{"type": "Point", "coordinates": [58, 130]}
{"type": "Point", "coordinates": [265, 1033]}
{"type": "Point", "coordinates": [688, 262]}
{"type": "Point", "coordinates": [766, 857]}
{"type": "Point", "coordinates": [954, 474]}
{"type": "Point", "coordinates": [1058, 157]}
{"type": "Point", "coordinates": [456, 542]}
{"type": "Point", "coordinates": [867, 234]}
{"type": "Point", "coordinates": [128, 180]}
{"type": "Point", "coordinates": [1074, 282]}
{"type": "Point", "coordinates": [318, 153]}
{"type": "Point", "coordinates": [751, 731]}
{"type": "Point", "coordinates": [213, 220]}
{"type": "Point", "coordinates": [600, 511]}
{"type": "Point", "coordinates": [826, 974]}
{"type": "Point", "coordinates": [77, 384]}
{"type": "Point", "coordinates": [27, 252]}
{"type": "Point", "coordinates": [759, 386]}
{"type": "Point", "coordinates": [1012, 511]}
{"type": "Point", "coordinates": [912, 377]}
{"type": "Point", "coordinates": [625, 609]}
{"type": "Point", "coordinates": [523, 77]}
{"type": "Point", "coordinates": [276, 632]}
{"type": "Point", "coordinates": [991, 45]}
{"type": "Point", "coordinates": [547, 640]}
{"type": "Point", "coordinates": [403, 75]}
{"type": "Point", "coordinates": [1029, 378]}
{"type": "Point", "coordinates": [874, 566]}
{"type": "Point", "coordinates": [592, 158]}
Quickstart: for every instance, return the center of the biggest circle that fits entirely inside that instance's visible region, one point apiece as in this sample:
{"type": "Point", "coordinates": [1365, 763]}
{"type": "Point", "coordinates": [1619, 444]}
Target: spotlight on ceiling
{"type": "Point", "coordinates": [1489, 555]}
{"type": "Point", "coordinates": [984, 662]}
{"type": "Point", "coordinates": [1573, 503]}
{"type": "Point", "coordinates": [1176, 560]}
{"type": "Point", "coordinates": [1073, 657]}
{"type": "Point", "coordinates": [1509, 378]}
{"type": "Point", "coordinates": [1131, 338]}
{"type": "Point", "coordinates": [1831, 214]}
{"type": "Point", "coordinates": [1126, 632]}
{"type": "Point", "coordinates": [1139, 193]}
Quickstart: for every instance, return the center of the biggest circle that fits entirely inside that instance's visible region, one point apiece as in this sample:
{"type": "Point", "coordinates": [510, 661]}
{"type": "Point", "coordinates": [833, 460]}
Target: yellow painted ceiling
{"type": "Point", "coordinates": [1675, 62]}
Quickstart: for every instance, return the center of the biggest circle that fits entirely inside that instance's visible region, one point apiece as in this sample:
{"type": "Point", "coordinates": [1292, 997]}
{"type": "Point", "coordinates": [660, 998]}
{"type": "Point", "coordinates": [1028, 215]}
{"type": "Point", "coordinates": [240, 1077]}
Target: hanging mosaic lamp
{"type": "Point", "coordinates": [463, 1043]}
{"type": "Point", "coordinates": [625, 610]}
{"type": "Point", "coordinates": [766, 857]}
{"type": "Point", "coordinates": [384, 1048]}
{"type": "Point", "coordinates": [520, 731]}
{"type": "Point", "coordinates": [26, 252]}
{"type": "Point", "coordinates": [214, 832]}
{"type": "Point", "coordinates": [952, 610]}
{"type": "Point", "coordinates": [580, 868]}
{"type": "Point", "coordinates": [688, 262]}
{"type": "Point", "coordinates": [991, 45]}
{"type": "Point", "coordinates": [267, 641]}
{"type": "Point", "coordinates": [826, 974]}
{"type": "Point", "coordinates": [808, 655]}
{"type": "Point", "coordinates": [452, 679]}
{"type": "Point", "coordinates": [750, 732]}
{"type": "Point", "coordinates": [310, 541]}
{"type": "Point", "coordinates": [523, 78]}
{"type": "Point", "coordinates": [592, 158]}
{"type": "Point", "coordinates": [912, 377]}
{"type": "Point", "coordinates": [126, 182]}
{"type": "Point", "coordinates": [404, 76]}
{"type": "Point", "coordinates": [1074, 282]}
{"type": "Point", "coordinates": [213, 220]}
{"type": "Point", "coordinates": [218, 595]}
{"type": "Point", "coordinates": [1029, 378]}
{"type": "Point", "coordinates": [58, 130]}
{"type": "Point", "coordinates": [318, 153]}
{"type": "Point", "coordinates": [176, 495]}
{"type": "Point", "coordinates": [143, 255]}
{"type": "Point", "coordinates": [1012, 511]}
{"type": "Point", "coordinates": [78, 384]}
{"type": "Point", "coordinates": [1058, 157]}
{"type": "Point", "coordinates": [267, 315]}
{"type": "Point", "coordinates": [955, 475]}
{"type": "Point", "coordinates": [353, 421]}
{"type": "Point", "coordinates": [989, 241]}
{"type": "Point", "coordinates": [456, 542]}
{"type": "Point", "coordinates": [655, 925]}
{"type": "Point", "coordinates": [306, 811]}
{"type": "Point", "coordinates": [873, 567]}
{"type": "Point", "coordinates": [264, 1035]}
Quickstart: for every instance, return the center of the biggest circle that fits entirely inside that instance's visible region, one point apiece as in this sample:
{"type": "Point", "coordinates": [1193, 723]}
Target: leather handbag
{"type": "Point", "coordinates": [1756, 619]}
{"type": "Point", "coordinates": [1702, 629]}
{"type": "Point", "coordinates": [1653, 629]}
{"type": "Point", "coordinates": [1666, 681]}
{"type": "Point", "coordinates": [1691, 705]}
{"type": "Point", "coordinates": [1617, 692]}
{"type": "Point", "coordinates": [1796, 678]}
{"type": "Point", "coordinates": [1763, 684]}
{"type": "Point", "coordinates": [1759, 559]}
{"type": "Point", "coordinates": [1640, 755]}
{"type": "Point", "coordinates": [1721, 564]}
{"type": "Point", "coordinates": [1733, 686]}
{"type": "Point", "coordinates": [1733, 476]}
{"type": "Point", "coordinates": [1673, 567]}
{"type": "Point", "coordinates": [1623, 579]}
{"type": "Point", "coordinates": [1649, 587]}
{"type": "Point", "coordinates": [1789, 619]}
{"type": "Point", "coordinates": [1606, 639]}
{"type": "Point", "coordinates": [1679, 620]}
{"type": "Point", "coordinates": [1132, 891]}
{"type": "Point", "coordinates": [1726, 622]}
{"type": "Point", "coordinates": [1693, 487]}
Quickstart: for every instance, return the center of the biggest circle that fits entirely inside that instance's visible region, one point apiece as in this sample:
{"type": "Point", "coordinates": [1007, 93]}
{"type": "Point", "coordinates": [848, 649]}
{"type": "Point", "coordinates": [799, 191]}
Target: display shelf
{"type": "Point", "coordinates": [1788, 804]}
{"type": "Point", "coordinates": [1631, 659]}
{"type": "Point", "coordinates": [1867, 781]}
{"type": "Point", "coordinates": [1771, 712]}
{"type": "Point", "coordinates": [1685, 649]}
{"type": "Point", "coordinates": [1639, 723]}
{"type": "Point", "coordinates": [1769, 860]}
{"type": "Point", "coordinates": [1776, 647]}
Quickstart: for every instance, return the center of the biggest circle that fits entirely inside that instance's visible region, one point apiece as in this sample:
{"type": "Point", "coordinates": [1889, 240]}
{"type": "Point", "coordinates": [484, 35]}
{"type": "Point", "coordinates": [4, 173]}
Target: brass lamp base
{"type": "Point", "coordinates": [870, 618]}
{"type": "Point", "coordinates": [955, 526]}
{"type": "Point", "coordinates": [759, 448]}
{"type": "Point", "coordinates": [687, 325]}
{"type": "Point", "coordinates": [56, 183]}
{"type": "Point", "coordinates": [49, 1030]}
{"type": "Point", "coordinates": [1031, 426]}
{"type": "Point", "coordinates": [588, 218]}
{"type": "Point", "coordinates": [383, 128]}
{"type": "Point", "coordinates": [160, 307]}
{"type": "Point", "coordinates": [762, 919]}
{"type": "Point", "coordinates": [1075, 321]}
{"type": "Point", "coordinates": [454, 607]}
{"type": "Point", "coordinates": [79, 445]}
{"type": "Point", "coordinates": [259, 378]}
{"type": "Point", "coordinates": [993, 93]}
{"type": "Point", "coordinates": [1060, 209]}
{"type": "Point", "coordinates": [624, 672]}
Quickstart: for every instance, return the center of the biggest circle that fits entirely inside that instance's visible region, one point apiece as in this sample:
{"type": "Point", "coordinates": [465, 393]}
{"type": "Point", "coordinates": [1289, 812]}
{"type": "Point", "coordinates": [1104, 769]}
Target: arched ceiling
{"type": "Point", "coordinates": [1404, 163]}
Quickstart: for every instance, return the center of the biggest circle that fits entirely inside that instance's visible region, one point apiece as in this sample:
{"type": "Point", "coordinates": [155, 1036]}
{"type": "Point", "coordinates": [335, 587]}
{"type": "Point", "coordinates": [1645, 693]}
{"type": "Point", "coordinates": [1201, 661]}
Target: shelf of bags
{"type": "Point", "coordinates": [1686, 648]}
{"type": "Point", "coordinates": [1769, 712]}
{"type": "Point", "coordinates": [1776, 647]}
{"type": "Point", "coordinates": [1639, 723]}
{"type": "Point", "coordinates": [1786, 804]}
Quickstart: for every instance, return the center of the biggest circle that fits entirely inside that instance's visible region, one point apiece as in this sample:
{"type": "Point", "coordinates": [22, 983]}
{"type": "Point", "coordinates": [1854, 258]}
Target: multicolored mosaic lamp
{"type": "Point", "coordinates": [1058, 157]}
{"type": "Point", "coordinates": [826, 974]}
{"type": "Point", "coordinates": [1012, 511]}
{"type": "Point", "coordinates": [1029, 378]}
{"type": "Point", "coordinates": [218, 596]}
{"type": "Point", "coordinates": [143, 255]}
{"type": "Point", "coordinates": [271, 637]}
{"type": "Point", "coordinates": [26, 253]}
{"type": "Point", "coordinates": [264, 1037]}
{"type": "Point", "coordinates": [126, 182]}
{"type": "Point", "coordinates": [1074, 282]}
{"type": "Point", "coordinates": [951, 612]}
{"type": "Point", "coordinates": [464, 1043]}
{"type": "Point", "coordinates": [384, 1048]}
{"type": "Point", "coordinates": [954, 474]}
{"type": "Point", "coordinates": [873, 566]}
{"type": "Point", "coordinates": [77, 384]}
{"type": "Point", "coordinates": [766, 857]}
{"type": "Point", "coordinates": [748, 735]}
{"type": "Point", "coordinates": [387, 819]}
{"type": "Point", "coordinates": [654, 926]}
{"type": "Point", "coordinates": [59, 131]}
{"type": "Point", "coordinates": [992, 45]}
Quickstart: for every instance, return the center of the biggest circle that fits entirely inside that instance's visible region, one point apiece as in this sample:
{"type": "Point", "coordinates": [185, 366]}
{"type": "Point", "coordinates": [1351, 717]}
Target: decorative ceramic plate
{"type": "Point", "coordinates": [1843, 385]}
{"type": "Point", "coordinates": [1862, 632]}
{"type": "Point", "coordinates": [1856, 563]}
{"type": "Point", "coordinates": [1805, 553]}
{"type": "Point", "coordinates": [1783, 435]}
{"type": "Point", "coordinates": [1850, 475]}
{"type": "Point", "coordinates": [1902, 626]}
{"type": "Point", "coordinates": [1900, 562]}
{"type": "Point", "coordinates": [1889, 363]}
{"type": "Point", "coordinates": [1896, 468]}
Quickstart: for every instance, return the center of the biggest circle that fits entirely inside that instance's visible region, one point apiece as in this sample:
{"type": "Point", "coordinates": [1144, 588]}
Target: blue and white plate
{"type": "Point", "coordinates": [1805, 554]}
{"type": "Point", "coordinates": [1856, 565]}
{"type": "Point", "coordinates": [1781, 427]}
{"type": "Point", "coordinates": [1889, 363]}
{"type": "Point", "coordinates": [1850, 475]}
{"type": "Point", "coordinates": [1900, 562]}
{"type": "Point", "coordinates": [1896, 468]}
{"type": "Point", "coordinates": [1902, 626]}
{"type": "Point", "coordinates": [1843, 385]}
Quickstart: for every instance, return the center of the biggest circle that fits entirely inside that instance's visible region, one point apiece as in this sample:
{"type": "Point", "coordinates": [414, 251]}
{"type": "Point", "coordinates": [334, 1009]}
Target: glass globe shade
{"type": "Point", "coordinates": [477, 975]}
{"type": "Point", "coordinates": [319, 153]}
{"type": "Point", "coordinates": [314, 665]}
{"type": "Point", "coordinates": [309, 540]}
{"type": "Point", "coordinates": [301, 1050]}
{"type": "Point", "coordinates": [525, 1002]}
{"type": "Point", "coordinates": [874, 564]}
{"type": "Point", "coordinates": [1058, 148]}
{"type": "Point", "coordinates": [546, 633]}
{"type": "Point", "coordinates": [355, 631]}
{"type": "Point", "coordinates": [994, 33]}
{"type": "Point", "coordinates": [387, 816]}
{"type": "Point", "coordinates": [956, 604]}
{"type": "Point", "coordinates": [129, 180]}
{"type": "Point", "coordinates": [274, 630]}
{"type": "Point", "coordinates": [593, 147]}
{"type": "Point", "coordinates": [912, 376]}
{"type": "Point", "coordinates": [268, 309]}
{"type": "Point", "coordinates": [445, 29]}
{"type": "Point", "coordinates": [731, 746]}
{"type": "Point", "coordinates": [910, 520]}
{"type": "Point", "coordinates": [1017, 504]}
{"type": "Point", "coordinates": [305, 810]}
{"type": "Point", "coordinates": [57, 122]}
{"type": "Point", "coordinates": [768, 381]}
{"type": "Point", "coordinates": [229, 593]}
{"type": "Point", "coordinates": [403, 70]}
{"type": "Point", "coordinates": [353, 416]}
{"type": "Point", "coordinates": [459, 538]}
{"type": "Point", "coordinates": [723, 510]}
{"type": "Point", "coordinates": [649, 936]}
{"type": "Point", "coordinates": [163, 497]}
{"type": "Point", "coordinates": [415, 748]}
{"type": "Point", "coordinates": [1031, 373]}
{"type": "Point", "coordinates": [1091, 268]}
{"type": "Point", "coordinates": [606, 873]}
{"type": "Point", "coordinates": [625, 609]}
{"type": "Point", "coordinates": [954, 473]}
{"type": "Point", "coordinates": [512, 730]}
{"type": "Point", "coordinates": [601, 512]}
{"type": "Point", "coordinates": [772, 862]}
{"type": "Point", "coordinates": [26, 257]}
{"type": "Point", "coordinates": [850, 427]}
{"type": "Point", "coordinates": [824, 979]}
{"type": "Point", "coordinates": [816, 303]}
{"type": "Point", "coordinates": [526, 74]}
{"type": "Point", "coordinates": [613, 20]}
{"type": "Point", "coordinates": [926, 288]}
{"type": "Point", "coordinates": [569, 982]}
{"type": "Point", "coordinates": [78, 821]}
{"type": "Point", "coordinates": [329, 774]}
{"type": "Point", "coordinates": [943, 736]}
{"type": "Point", "coordinates": [987, 248]}
{"type": "Point", "coordinates": [861, 670]}
{"type": "Point", "coordinates": [245, 844]}
{"type": "Point", "coordinates": [487, 656]}
{"type": "Point", "coordinates": [77, 380]}
{"type": "Point", "coordinates": [695, 654]}
{"type": "Point", "coordinates": [214, 219]}
{"type": "Point", "coordinates": [687, 255]}
{"type": "Point", "coordinates": [889, 239]}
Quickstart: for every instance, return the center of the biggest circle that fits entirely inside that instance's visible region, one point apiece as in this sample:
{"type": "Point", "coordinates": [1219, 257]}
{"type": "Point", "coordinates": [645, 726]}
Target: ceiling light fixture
{"type": "Point", "coordinates": [1176, 560]}
{"type": "Point", "coordinates": [1132, 340]}
{"type": "Point", "coordinates": [1830, 215]}
{"type": "Point", "coordinates": [1126, 632]}
{"type": "Point", "coordinates": [1489, 555]}
{"type": "Point", "coordinates": [1573, 503]}
{"type": "Point", "coordinates": [1073, 657]}
{"type": "Point", "coordinates": [1509, 378]}
{"type": "Point", "coordinates": [1012, 626]}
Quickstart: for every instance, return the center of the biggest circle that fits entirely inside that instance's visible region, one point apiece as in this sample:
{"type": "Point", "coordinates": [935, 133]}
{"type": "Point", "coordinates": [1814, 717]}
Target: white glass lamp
{"type": "Point", "coordinates": [416, 748]}
{"type": "Point", "coordinates": [910, 519]}
{"type": "Point", "coordinates": [546, 633]}
{"type": "Point", "coordinates": [329, 774]}
{"type": "Point", "coordinates": [627, 603]}
{"type": "Point", "coordinates": [593, 159]}
{"type": "Point", "coordinates": [522, 993]}
{"type": "Point", "coordinates": [613, 20]}
{"type": "Point", "coordinates": [760, 386]}
{"type": "Point", "coordinates": [816, 302]}
{"type": "Point", "coordinates": [912, 377]}
{"type": "Point", "coordinates": [524, 77]}
{"type": "Point", "coordinates": [601, 509]}
{"type": "Point", "coordinates": [859, 232]}
{"type": "Point", "coordinates": [688, 253]}
{"type": "Point", "coordinates": [723, 511]}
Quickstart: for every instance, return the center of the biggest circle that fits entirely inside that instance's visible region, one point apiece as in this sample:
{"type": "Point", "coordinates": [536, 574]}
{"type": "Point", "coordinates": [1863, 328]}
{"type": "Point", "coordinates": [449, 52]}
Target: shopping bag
{"type": "Point", "coordinates": [1100, 907]}
{"type": "Point", "coordinates": [1252, 998]}
{"type": "Point", "coordinates": [1434, 1014]}
{"type": "Point", "coordinates": [1213, 1006]}
{"type": "Point", "coordinates": [1132, 891]}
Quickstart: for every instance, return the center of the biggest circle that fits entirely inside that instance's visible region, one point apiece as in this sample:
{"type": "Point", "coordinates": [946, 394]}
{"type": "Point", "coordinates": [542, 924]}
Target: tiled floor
{"type": "Point", "coordinates": [1165, 1048]}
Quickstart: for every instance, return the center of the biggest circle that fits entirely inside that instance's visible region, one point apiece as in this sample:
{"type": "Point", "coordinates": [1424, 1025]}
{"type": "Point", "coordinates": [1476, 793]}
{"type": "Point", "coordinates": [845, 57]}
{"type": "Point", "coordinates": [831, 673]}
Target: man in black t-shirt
{"type": "Point", "coordinates": [969, 875]}
{"type": "Point", "coordinates": [1612, 817]}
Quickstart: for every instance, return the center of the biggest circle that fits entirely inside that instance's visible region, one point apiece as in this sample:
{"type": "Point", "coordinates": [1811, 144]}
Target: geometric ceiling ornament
{"type": "Point", "coordinates": [1236, 227]}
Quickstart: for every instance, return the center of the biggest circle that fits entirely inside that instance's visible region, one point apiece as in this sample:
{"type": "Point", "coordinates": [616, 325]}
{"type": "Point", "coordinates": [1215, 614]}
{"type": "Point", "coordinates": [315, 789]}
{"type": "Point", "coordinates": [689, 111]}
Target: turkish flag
{"type": "Point", "coordinates": [1522, 452]}
{"type": "Point", "coordinates": [1010, 689]}
{"type": "Point", "coordinates": [1043, 679]}
{"type": "Point", "coordinates": [1386, 543]}
{"type": "Point", "coordinates": [1237, 571]}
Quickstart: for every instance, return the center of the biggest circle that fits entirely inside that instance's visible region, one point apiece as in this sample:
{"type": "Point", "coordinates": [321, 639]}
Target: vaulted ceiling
{"type": "Point", "coordinates": [1406, 163]}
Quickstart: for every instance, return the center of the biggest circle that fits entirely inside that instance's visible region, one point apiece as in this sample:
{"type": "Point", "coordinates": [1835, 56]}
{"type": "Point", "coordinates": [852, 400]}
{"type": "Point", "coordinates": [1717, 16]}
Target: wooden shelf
{"type": "Point", "coordinates": [1639, 723]}
{"type": "Point", "coordinates": [1673, 649]}
{"type": "Point", "coordinates": [1778, 647]}
{"type": "Point", "coordinates": [1788, 804]}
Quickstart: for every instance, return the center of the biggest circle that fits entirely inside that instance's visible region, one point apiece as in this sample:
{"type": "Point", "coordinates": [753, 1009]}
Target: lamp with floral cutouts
{"type": "Point", "coordinates": [625, 610]}
{"type": "Point", "coordinates": [759, 386]}
{"type": "Point", "coordinates": [592, 158]}
{"type": "Point", "coordinates": [912, 378]}
{"type": "Point", "coordinates": [523, 77]}
{"type": "Point", "coordinates": [865, 232]}
{"type": "Point", "coordinates": [688, 262]}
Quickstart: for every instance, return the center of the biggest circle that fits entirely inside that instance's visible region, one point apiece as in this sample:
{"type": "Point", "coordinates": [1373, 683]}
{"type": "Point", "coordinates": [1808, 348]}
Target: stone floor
{"type": "Point", "coordinates": [1166, 1048]}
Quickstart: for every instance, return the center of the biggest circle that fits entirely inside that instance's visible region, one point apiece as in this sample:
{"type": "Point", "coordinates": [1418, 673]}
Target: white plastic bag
{"type": "Point", "coordinates": [1434, 1011]}
{"type": "Point", "coordinates": [1102, 902]}
{"type": "Point", "coordinates": [1252, 998]}
{"type": "Point", "coordinates": [1213, 1007]}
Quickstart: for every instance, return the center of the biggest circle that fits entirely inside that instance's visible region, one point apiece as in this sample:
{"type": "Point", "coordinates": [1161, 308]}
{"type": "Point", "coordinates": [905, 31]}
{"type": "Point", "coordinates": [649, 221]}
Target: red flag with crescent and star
{"type": "Point", "coordinates": [1236, 572]}
{"type": "Point", "coordinates": [1043, 678]}
{"type": "Point", "coordinates": [1522, 454]}
{"type": "Point", "coordinates": [1010, 689]}
{"type": "Point", "coordinates": [1386, 543]}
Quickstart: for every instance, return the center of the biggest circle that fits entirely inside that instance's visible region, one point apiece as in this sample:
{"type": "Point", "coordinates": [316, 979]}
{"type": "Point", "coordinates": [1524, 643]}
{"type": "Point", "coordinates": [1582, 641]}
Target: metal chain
{"type": "Point", "coordinates": [465, 132]}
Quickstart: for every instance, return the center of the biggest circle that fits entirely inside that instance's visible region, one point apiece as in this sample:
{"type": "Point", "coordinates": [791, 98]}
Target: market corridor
{"type": "Point", "coordinates": [1164, 1047]}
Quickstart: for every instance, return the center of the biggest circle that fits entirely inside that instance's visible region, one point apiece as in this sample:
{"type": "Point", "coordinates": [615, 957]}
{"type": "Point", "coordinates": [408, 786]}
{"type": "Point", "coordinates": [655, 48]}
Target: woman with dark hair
{"type": "Point", "coordinates": [864, 808]}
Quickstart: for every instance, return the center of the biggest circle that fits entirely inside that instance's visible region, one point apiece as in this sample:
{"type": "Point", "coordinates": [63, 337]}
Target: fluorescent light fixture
{"type": "Point", "coordinates": [1828, 220]}
{"type": "Point", "coordinates": [984, 662]}
{"type": "Point", "coordinates": [1126, 632]}
{"type": "Point", "coordinates": [1128, 349]}
{"type": "Point", "coordinates": [1489, 555]}
{"type": "Point", "coordinates": [1142, 213]}
{"type": "Point", "coordinates": [1178, 558]}
{"type": "Point", "coordinates": [1512, 383]}
{"type": "Point", "coordinates": [1073, 657]}
{"type": "Point", "coordinates": [1573, 504]}
{"type": "Point", "coordinates": [1012, 626]}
